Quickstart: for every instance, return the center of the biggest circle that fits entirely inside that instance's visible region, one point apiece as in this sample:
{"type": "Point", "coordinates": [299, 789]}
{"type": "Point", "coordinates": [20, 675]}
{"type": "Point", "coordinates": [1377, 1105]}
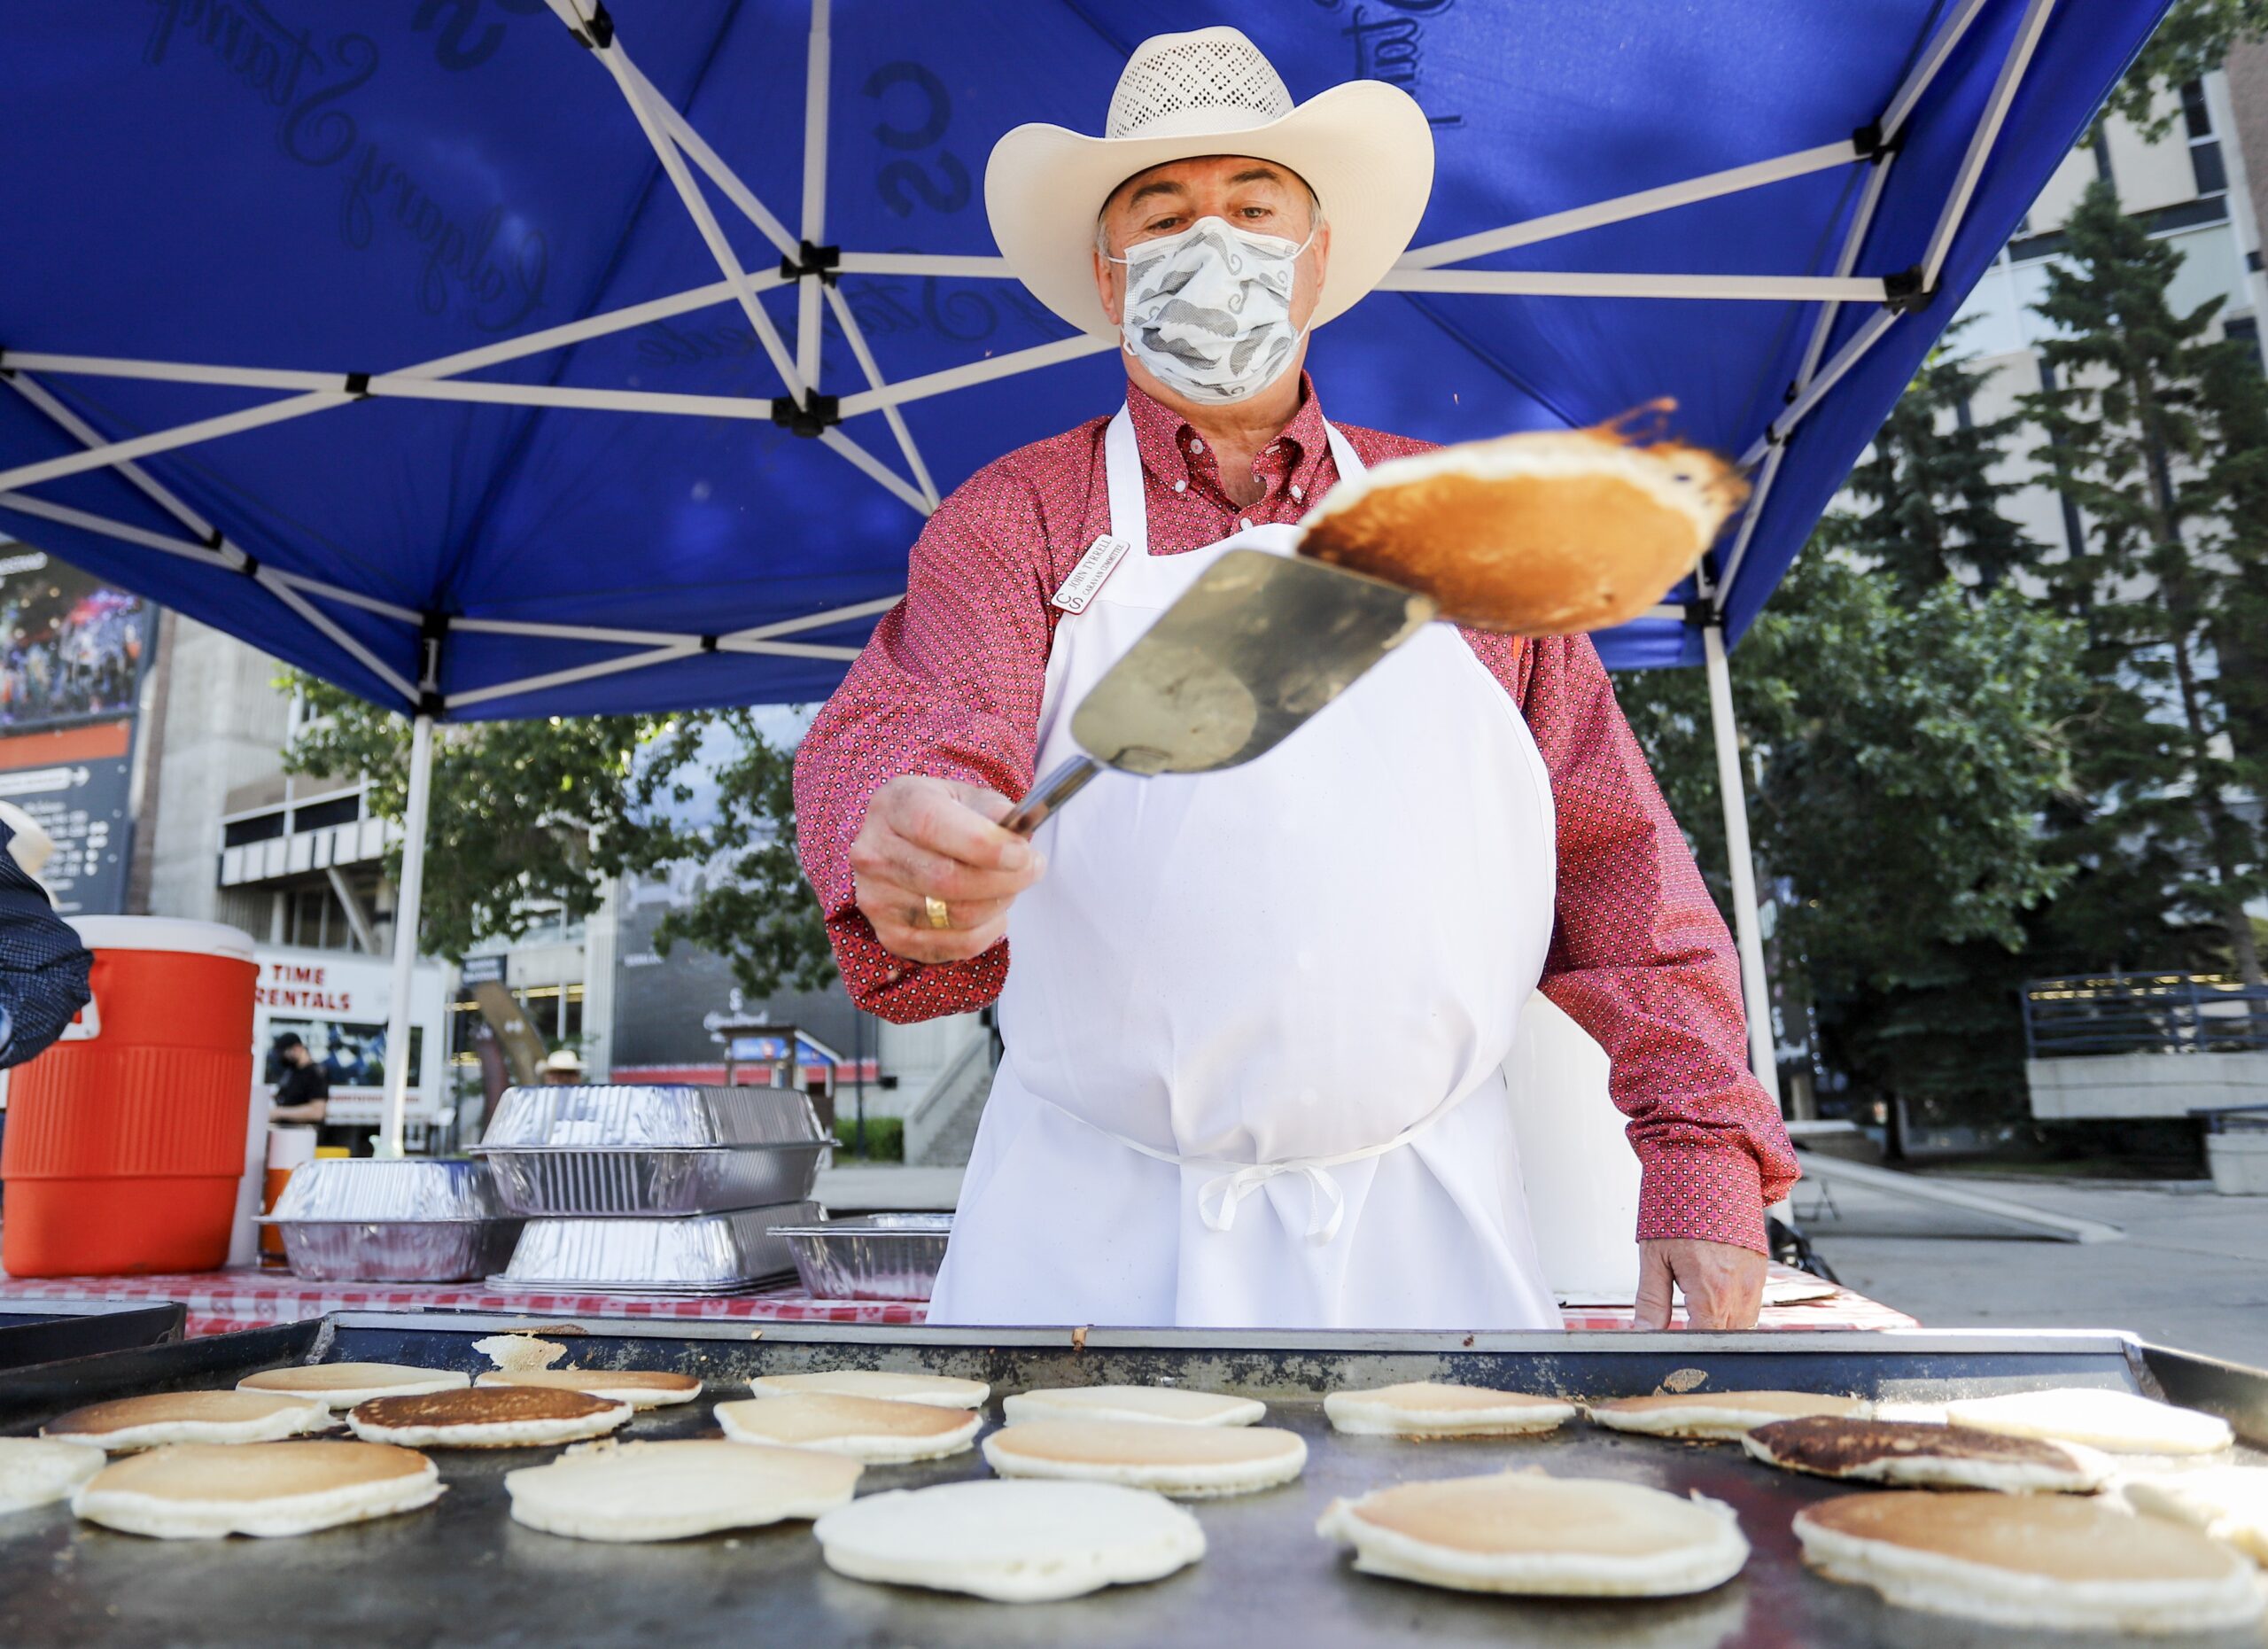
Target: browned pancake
{"type": "Point", "coordinates": [2058, 1538]}
{"type": "Point", "coordinates": [170, 1408]}
{"type": "Point", "coordinates": [480, 1405]}
{"type": "Point", "coordinates": [1833, 1448]}
{"type": "Point", "coordinates": [592, 1379]}
{"type": "Point", "coordinates": [256, 1471]}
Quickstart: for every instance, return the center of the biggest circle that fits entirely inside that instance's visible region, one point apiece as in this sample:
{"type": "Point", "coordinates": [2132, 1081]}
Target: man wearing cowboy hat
{"type": "Point", "coordinates": [1191, 1124]}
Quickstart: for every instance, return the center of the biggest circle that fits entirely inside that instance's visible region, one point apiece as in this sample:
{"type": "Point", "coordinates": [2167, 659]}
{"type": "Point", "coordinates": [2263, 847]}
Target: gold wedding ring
{"type": "Point", "coordinates": [935, 909]}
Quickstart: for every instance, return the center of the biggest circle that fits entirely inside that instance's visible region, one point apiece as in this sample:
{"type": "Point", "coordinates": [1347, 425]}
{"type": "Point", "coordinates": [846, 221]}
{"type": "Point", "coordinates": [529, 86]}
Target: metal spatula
{"type": "Point", "coordinates": [1250, 650]}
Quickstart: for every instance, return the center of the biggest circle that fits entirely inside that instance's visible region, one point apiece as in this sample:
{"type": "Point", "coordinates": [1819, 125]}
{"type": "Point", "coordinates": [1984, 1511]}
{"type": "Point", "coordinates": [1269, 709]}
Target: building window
{"type": "Point", "coordinates": [337, 810]}
{"type": "Point", "coordinates": [258, 828]}
{"type": "Point", "coordinates": [2204, 151]}
{"type": "Point", "coordinates": [2245, 329]}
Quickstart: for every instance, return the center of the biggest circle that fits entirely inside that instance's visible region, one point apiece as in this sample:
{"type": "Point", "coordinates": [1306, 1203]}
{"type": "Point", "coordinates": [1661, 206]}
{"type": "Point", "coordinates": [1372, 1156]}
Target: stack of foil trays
{"type": "Point", "coordinates": [653, 1189]}
{"type": "Point", "coordinates": [874, 1256]}
{"type": "Point", "coordinates": [400, 1220]}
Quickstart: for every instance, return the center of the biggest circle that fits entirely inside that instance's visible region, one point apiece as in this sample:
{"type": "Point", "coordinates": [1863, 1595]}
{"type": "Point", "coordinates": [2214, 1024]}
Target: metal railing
{"type": "Point", "coordinates": [2143, 1014]}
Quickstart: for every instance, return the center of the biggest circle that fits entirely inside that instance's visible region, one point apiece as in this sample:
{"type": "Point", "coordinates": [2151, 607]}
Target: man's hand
{"type": "Point", "coordinates": [1724, 1285]}
{"type": "Point", "coordinates": [931, 839]}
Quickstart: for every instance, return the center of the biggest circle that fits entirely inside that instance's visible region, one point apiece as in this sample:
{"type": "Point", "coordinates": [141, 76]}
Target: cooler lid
{"type": "Point", "coordinates": [163, 933]}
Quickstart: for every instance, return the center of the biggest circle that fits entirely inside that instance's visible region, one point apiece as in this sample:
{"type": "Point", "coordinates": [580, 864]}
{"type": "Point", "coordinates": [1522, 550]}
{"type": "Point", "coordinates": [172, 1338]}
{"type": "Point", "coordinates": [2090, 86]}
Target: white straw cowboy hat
{"type": "Point", "coordinates": [1362, 146]}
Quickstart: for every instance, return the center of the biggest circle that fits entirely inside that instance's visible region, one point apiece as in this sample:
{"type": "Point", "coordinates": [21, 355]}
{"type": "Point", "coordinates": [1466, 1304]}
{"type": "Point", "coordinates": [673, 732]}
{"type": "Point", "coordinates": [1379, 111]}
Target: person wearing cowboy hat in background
{"type": "Point", "coordinates": [563, 1068]}
{"type": "Point", "coordinates": [1189, 1125]}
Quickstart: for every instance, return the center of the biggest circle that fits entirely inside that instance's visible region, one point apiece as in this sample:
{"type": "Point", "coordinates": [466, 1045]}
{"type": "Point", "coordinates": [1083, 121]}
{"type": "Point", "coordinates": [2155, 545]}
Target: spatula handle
{"type": "Point", "coordinates": [1050, 793]}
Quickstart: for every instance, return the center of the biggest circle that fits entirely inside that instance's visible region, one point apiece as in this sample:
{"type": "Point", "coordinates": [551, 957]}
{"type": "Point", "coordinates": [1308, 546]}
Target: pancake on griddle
{"type": "Point", "coordinates": [2230, 1503]}
{"type": "Point", "coordinates": [1916, 1455]}
{"type": "Point", "coordinates": [639, 1387]}
{"type": "Point", "coordinates": [2032, 1561]}
{"type": "Point", "coordinates": [1189, 1462]}
{"type": "Point", "coordinates": [1549, 533]}
{"type": "Point", "coordinates": [938, 1391]}
{"type": "Point", "coordinates": [34, 1471]}
{"type": "Point", "coordinates": [1426, 1408]}
{"type": "Point", "coordinates": [146, 1422]}
{"type": "Point", "coordinates": [1164, 1404]}
{"type": "Point", "coordinates": [486, 1417]}
{"type": "Point", "coordinates": [201, 1492]}
{"type": "Point", "coordinates": [873, 1429]}
{"type": "Point", "coordinates": [2117, 1422]}
{"type": "Point", "coordinates": [669, 1490]}
{"type": "Point", "coordinates": [1715, 1416]}
{"type": "Point", "coordinates": [1012, 1542]}
{"type": "Point", "coordinates": [343, 1385]}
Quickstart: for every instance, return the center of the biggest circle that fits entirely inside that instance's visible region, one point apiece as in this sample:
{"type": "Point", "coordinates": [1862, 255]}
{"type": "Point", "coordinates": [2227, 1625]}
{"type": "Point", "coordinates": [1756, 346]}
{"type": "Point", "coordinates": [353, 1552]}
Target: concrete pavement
{"type": "Point", "coordinates": [2193, 1272]}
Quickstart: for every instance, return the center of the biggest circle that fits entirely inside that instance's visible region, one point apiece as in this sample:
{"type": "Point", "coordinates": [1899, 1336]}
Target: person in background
{"type": "Point", "coordinates": [42, 965]}
{"type": "Point", "coordinates": [302, 1098]}
{"type": "Point", "coordinates": [565, 1069]}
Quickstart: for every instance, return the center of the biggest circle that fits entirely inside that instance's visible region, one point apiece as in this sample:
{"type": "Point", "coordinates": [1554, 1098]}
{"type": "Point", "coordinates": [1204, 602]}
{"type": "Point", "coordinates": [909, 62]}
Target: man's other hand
{"type": "Point", "coordinates": [931, 839]}
{"type": "Point", "coordinates": [1723, 1284]}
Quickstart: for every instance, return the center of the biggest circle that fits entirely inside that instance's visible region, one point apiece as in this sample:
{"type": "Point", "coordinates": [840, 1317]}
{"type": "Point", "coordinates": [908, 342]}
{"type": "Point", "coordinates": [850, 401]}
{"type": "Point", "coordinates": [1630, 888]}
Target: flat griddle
{"type": "Point", "coordinates": [463, 1572]}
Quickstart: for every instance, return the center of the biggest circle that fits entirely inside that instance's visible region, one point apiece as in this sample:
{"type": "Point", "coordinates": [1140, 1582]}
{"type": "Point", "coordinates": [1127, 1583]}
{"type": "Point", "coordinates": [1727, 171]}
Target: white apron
{"type": "Point", "coordinates": [1254, 1020]}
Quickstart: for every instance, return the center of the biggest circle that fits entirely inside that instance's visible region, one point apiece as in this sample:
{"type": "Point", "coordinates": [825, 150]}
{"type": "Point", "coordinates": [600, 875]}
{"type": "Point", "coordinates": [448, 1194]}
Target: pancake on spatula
{"type": "Point", "coordinates": [2229, 1503]}
{"type": "Point", "coordinates": [1715, 1416]}
{"type": "Point", "coordinates": [669, 1490]}
{"type": "Point", "coordinates": [639, 1387]}
{"type": "Point", "coordinates": [1525, 1532]}
{"type": "Point", "coordinates": [1916, 1455]}
{"type": "Point", "coordinates": [2116, 1422]}
{"type": "Point", "coordinates": [343, 1385]}
{"type": "Point", "coordinates": [202, 1491]}
{"type": "Point", "coordinates": [2047, 1562]}
{"type": "Point", "coordinates": [873, 1429]}
{"type": "Point", "coordinates": [34, 1471]}
{"type": "Point", "coordinates": [1011, 1541]}
{"type": "Point", "coordinates": [1164, 1404]}
{"type": "Point", "coordinates": [1189, 1462]}
{"type": "Point", "coordinates": [164, 1417]}
{"type": "Point", "coordinates": [1551, 533]}
{"type": "Point", "coordinates": [1428, 1409]}
{"type": "Point", "coordinates": [486, 1417]}
{"type": "Point", "coordinates": [938, 1390]}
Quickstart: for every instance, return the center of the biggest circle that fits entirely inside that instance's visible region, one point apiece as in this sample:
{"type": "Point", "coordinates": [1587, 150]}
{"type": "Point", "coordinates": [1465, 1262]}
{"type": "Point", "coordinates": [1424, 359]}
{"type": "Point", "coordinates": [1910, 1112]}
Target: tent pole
{"type": "Point", "coordinates": [1747, 923]}
{"type": "Point", "coordinates": [408, 895]}
{"type": "Point", "coordinates": [809, 291]}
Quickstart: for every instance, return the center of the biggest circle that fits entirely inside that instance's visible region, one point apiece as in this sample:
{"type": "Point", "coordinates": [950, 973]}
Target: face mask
{"type": "Point", "coordinates": [1209, 310]}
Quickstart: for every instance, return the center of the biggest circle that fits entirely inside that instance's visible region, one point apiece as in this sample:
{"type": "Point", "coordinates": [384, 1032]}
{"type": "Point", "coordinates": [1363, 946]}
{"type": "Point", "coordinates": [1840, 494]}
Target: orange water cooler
{"type": "Point", "coordinates": [126, 1140]}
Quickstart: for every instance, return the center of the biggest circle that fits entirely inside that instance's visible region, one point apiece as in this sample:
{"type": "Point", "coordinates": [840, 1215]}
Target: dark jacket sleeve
{"type": "Point", "coordinates": [42, 965]}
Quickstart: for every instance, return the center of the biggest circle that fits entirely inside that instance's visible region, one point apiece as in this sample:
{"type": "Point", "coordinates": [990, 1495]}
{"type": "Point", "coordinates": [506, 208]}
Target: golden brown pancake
{"type": "Point", "coordinates": [1831, 1447]}
{"type": "Point", "coordinates": [480, 1405]}
{"type": "Point", "coordinates": [641, 1387]}
{"type": "Point", "coordinates": [102, 1420]}
{"type": "Point", "coordinates": [2054, 1536]}
{"type": "Point", "coordinates": [258, 1471]}
{"type": "Point", "coordinates": [1546, 534]}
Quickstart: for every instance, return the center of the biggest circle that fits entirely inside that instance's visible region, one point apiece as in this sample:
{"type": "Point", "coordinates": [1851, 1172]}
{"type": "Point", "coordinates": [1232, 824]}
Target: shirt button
{"type": "Point", "coordinates": [1181, 486]}
{"type": "Point", "coordinates": [1245, 525]}
{"type": "Point", "coordinates": [1297, 496]}
{"type": "Point", "coordinates": [1196, 446]}
{"type": "Point", "coordinates": [1276, 449]}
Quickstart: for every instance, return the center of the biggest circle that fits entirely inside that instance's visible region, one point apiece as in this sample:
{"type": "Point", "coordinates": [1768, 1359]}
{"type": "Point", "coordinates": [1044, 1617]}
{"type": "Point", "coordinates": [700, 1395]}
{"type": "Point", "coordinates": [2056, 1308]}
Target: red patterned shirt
{"type": "Point", "coordinates": [950, 687]}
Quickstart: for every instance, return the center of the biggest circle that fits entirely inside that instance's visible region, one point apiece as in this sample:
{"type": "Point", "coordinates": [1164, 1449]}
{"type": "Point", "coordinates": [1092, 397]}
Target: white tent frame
{"type": "Point", "coordinates": [813, 268]}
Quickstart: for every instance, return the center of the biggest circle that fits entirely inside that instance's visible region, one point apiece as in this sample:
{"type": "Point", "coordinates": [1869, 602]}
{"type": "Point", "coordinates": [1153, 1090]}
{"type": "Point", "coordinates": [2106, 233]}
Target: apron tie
{"type": "Point", "coordinates": [1217, 1198]}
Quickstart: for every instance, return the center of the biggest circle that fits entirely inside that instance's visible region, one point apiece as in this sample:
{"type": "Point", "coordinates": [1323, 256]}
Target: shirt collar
{"type": "Point", "coordinates": [1161, 436]}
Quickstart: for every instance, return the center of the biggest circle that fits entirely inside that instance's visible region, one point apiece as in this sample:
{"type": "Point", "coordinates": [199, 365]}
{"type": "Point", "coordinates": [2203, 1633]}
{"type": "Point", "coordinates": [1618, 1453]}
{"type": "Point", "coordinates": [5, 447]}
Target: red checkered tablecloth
{"type": "Point", "coordinates": [218, 1302]}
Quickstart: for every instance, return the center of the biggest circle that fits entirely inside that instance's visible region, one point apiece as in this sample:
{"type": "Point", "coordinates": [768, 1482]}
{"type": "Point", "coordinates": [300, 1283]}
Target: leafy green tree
{"type": "Point", "coordinates": [1899, 758]}
{"type": "Point", "coordinates": [2150, 423]}
{"type": "Point", "coordinates": [530, 819]}
{"type": "Point", "coordinates": [2192, 40]}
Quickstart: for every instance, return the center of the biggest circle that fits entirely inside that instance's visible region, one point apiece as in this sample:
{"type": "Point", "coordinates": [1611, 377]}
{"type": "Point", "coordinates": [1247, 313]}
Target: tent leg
{"type": "Point", "coordinates": [1747, 925]}
{"type": "Point", "coordinates": [407, 897]}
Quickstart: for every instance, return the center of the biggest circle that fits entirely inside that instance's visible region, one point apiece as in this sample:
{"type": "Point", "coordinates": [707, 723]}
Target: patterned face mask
{"type": "Point", "coordinates": [1209, 310]}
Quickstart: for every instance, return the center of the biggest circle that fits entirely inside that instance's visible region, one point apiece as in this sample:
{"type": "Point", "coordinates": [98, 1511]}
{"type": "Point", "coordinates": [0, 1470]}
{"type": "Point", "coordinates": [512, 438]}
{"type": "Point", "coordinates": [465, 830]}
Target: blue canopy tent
{"type": "Point", "coordinates": [498, 358]}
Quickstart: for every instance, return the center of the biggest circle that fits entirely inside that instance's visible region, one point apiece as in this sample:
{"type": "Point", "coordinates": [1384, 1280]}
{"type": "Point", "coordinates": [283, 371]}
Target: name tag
{"type": "Point", "coordinates": [1102, 559]}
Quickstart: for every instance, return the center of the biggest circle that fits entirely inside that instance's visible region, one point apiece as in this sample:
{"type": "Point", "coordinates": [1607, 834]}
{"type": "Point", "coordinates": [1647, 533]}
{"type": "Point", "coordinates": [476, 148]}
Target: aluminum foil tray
{"type": "Point", "coordinates": [706, 1254]}
{"type": "Point", "coordinates": [398, 1250]}
{"type": "Point", "coordinates": [359, 1190]}
{"type": "Point", "coordinates": [617, 1184]}
{"type": "Point", "coordinates": [624, 1117]}
{"type": "Point", "coordinates": [876, 1256]}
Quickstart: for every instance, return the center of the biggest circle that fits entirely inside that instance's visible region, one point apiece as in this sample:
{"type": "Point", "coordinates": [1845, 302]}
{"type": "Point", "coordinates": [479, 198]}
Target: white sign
{"type": "Point", "coordinates": [338, 1003]}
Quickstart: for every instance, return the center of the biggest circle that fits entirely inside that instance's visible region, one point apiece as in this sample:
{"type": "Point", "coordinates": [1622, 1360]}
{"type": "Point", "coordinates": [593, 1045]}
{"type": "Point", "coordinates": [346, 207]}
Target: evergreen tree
{"type": "Point", "coordinates": [1932, 505]}
{"type": "Point", "coordinates": [2150, 423]}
